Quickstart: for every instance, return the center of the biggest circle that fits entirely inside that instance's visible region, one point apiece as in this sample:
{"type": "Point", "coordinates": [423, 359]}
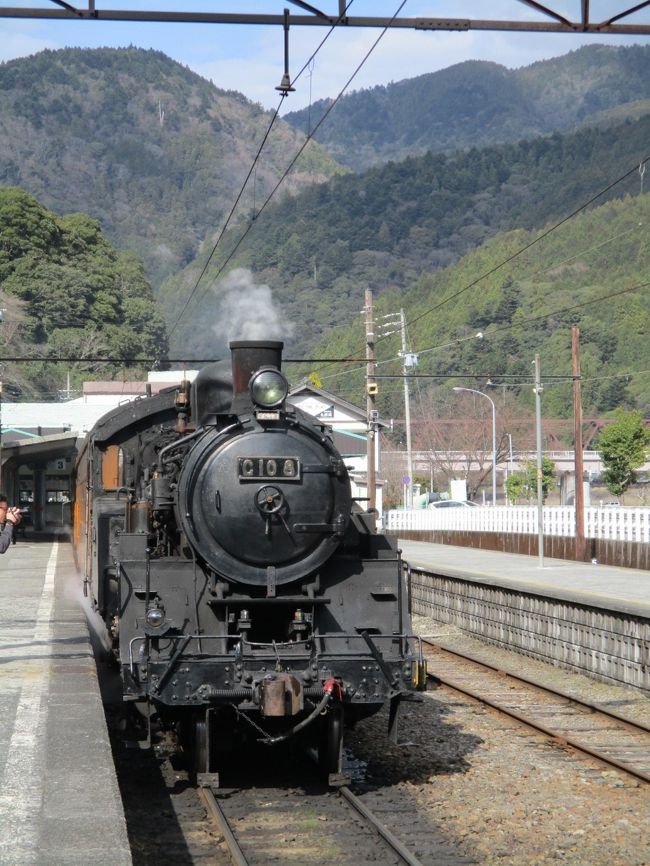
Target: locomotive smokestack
{"type": "Point", "coordinates": [248, 356]}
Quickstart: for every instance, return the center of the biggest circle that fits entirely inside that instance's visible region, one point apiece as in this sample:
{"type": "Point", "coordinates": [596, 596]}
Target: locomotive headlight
{"type": "Point", "coordinates": [268, 388]}
{"type": "Point", "coordinates": [155, 617]}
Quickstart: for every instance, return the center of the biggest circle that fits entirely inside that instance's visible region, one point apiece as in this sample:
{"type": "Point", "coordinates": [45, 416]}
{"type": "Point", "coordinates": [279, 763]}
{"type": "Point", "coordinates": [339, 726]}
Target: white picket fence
{"type": "Point", "coordinates": [627, 524]}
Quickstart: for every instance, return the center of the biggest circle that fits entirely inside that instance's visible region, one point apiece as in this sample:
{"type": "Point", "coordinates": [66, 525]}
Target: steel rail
{"type": "Point", "coordinates": [375, 824]}
{"type": "Point", "coordinates": [538, 726]}
{"type": "Point", "coordinates": [597, 708]}
{"type": "Point", "coordinates": [236, 854]}
{"type": "Point", "coordinates": [239, 858]}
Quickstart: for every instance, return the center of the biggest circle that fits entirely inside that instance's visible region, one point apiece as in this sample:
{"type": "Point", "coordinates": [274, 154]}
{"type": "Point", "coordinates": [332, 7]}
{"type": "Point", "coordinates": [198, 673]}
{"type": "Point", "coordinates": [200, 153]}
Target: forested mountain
{"type": "Point", "coordinates": [67, 292]}
{"type": "Point", "coordinates": [475, 103]}
{"type": "Point", "coordinates": [152, 150]}
{"type": "Point", "coordinates": [157, 155]}
{"type": "Point", "coordinates": [320, 249]}
{"type": "Point", "coordinates": [591, 271]}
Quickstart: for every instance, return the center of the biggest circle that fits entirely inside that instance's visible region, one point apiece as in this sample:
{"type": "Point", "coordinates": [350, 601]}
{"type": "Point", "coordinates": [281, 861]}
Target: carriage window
{"type": "Point", "coordinates": [112, 467]}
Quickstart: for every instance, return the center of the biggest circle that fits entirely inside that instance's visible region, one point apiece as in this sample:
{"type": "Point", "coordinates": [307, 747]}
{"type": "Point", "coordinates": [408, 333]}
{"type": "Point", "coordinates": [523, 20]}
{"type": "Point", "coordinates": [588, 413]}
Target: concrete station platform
{"type": "Point", "coordinates": [622, 589]}
{"type": "Point", "coordinates": [593, 619]}
{"type": "Point", "coordinates": [59, 798]}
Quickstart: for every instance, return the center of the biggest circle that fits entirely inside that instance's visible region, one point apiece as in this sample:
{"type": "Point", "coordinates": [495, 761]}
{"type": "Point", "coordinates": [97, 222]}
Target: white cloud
{"type": "Point", "coordinates": [20, 41]}
{"type": "Point", "coordinates": [250, 59]}
{"type": "Point", "coordinates": [400, 54]}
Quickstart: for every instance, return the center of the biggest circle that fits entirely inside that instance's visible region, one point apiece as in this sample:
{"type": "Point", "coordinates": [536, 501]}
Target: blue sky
{"type": "Point", "coordinates": [250, 59]}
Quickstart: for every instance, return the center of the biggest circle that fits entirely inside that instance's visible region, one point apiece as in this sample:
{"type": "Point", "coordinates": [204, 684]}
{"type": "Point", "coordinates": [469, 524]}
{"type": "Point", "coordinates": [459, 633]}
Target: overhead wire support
{"type": "Point", "coordinates": [548, 21]}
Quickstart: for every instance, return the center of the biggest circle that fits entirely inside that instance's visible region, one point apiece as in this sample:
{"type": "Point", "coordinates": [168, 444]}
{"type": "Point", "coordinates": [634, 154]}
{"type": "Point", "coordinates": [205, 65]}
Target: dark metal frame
{"type": "Point", "coordinates": [550, 21]}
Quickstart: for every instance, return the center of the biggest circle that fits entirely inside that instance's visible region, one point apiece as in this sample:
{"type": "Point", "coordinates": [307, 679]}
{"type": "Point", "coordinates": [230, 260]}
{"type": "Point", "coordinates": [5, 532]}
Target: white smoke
{"type": "Point", "coordinates": [246, 310]}
{"type": "Point", "coordinates": [73, 591]}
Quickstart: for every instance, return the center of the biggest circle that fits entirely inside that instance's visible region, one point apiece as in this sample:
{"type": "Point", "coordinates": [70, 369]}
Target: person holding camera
{"type": "Point", "coordinates": [9, 519]}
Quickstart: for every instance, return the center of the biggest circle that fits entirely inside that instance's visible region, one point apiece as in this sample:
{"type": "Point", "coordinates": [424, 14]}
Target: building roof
{"type": "Point", "coordinates": [327, 406]}
{"type": "Point", "coordinates": [78, 416]}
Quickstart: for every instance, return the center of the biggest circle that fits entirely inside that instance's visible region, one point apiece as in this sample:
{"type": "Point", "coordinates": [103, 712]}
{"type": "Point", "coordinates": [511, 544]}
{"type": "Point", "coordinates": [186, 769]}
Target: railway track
{"type": "Point", "coordinates": [262, 826]}
{"type": "Point", "coordinates": [591, 729]}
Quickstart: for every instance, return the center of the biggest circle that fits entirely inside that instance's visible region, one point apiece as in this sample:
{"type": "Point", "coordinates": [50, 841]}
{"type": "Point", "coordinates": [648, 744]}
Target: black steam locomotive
{"type": "Point", "coordinates": [246, 594]}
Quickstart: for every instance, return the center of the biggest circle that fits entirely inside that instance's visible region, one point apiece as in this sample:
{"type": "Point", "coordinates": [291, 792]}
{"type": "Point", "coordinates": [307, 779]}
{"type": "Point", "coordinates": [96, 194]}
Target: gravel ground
{"type": "Point", "coordinates": [505, 795]}
{"type": "Point", "coordinates": [465, 785]}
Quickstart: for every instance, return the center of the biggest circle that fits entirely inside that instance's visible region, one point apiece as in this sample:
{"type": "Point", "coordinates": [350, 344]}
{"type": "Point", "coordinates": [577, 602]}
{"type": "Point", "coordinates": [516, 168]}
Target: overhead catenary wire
{"type": "Point", "coordinates": [528, 246]}
{"type": "Point", "coordinates": [286, 172]}
{"type": "Point", "coordinates": [252, 169]}
{"type": "Point", "coordinates": [309, 137]}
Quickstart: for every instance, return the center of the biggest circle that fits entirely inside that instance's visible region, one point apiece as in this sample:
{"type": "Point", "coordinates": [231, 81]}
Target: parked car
{"type": "Point", "coordinates": [453, 503]}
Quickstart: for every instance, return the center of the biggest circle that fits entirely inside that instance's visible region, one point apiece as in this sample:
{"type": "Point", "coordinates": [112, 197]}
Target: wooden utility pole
{"type": "Point", "coordinates": [577, 445]}
{"type": "Point", "coordinates": [371, 393]}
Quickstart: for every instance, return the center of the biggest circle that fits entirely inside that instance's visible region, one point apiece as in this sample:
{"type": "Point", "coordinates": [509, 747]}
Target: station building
{"type": "Point", "coordinates": [39, 441]}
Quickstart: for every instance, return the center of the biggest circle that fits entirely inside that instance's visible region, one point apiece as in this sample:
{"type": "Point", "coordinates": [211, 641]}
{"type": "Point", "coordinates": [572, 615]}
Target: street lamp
{"type": "Point", "coordinates": [494, 438]}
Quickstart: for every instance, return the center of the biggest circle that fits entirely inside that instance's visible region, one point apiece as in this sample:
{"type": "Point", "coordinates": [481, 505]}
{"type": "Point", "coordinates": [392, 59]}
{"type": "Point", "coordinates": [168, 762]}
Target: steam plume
{"type": "Point", "coordinates": [246, 310]}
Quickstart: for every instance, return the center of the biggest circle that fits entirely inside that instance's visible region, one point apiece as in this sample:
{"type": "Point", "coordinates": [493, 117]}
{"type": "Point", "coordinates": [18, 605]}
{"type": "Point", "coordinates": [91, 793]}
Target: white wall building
{"type": "Point", "coordinates": [350, 426]}
{"type": "Point", "coordinates": [22, 421]}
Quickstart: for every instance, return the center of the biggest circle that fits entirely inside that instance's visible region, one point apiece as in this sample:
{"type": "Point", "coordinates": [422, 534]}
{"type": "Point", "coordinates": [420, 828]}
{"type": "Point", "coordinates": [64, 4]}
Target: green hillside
{"type": "Point", "coordinates": [319, 250]}
{"type": "Point", "coordinates": [524, 307]}
{"type": "Point", "coordinates": [141, 143]}
{"type": "Point", "coordinates": [475, 103]}
{"type": "Point", "coordinates": [67, 292]}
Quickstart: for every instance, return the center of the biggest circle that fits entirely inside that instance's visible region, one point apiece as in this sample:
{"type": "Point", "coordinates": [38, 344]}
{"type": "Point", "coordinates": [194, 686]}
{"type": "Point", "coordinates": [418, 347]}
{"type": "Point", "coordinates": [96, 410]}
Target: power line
{"type": "Point", "coordinates": [548, 315]}
{"type": "Point", "coordinates": [250, 172]}
{"type": "Point", "coordinates": [304, 145]}
{"type": "Point", "coordinates": [92, 359]}
{"type": "Point", "coordinates": [301, 149]}
{"type": "Point", "coordinates": [527, 246]}
{"type": "Point", "coordinates": [129, 361]}
{"type": "Point", "coordinates": [509, 259]}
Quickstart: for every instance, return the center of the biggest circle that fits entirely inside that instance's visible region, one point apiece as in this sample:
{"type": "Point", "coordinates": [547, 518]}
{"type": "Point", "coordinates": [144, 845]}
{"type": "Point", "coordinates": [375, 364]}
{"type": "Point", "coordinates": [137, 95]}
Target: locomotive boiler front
{"type": "Point", "coordinates": [263, 496]}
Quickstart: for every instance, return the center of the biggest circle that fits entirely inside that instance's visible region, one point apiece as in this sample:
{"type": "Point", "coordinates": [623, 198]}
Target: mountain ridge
{"type": "Point", "coordinates": [478, 103]}
{"type": "Point", "coordinates": [140, 142]}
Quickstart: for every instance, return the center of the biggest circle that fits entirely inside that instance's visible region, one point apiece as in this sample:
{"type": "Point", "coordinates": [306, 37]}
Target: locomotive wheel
{"type": "Point", "coordinates": [200, 746]}
{"type": "Point", "coordinates": [330, 746]}
{"type": "Point", "coordinates": [210, 740]}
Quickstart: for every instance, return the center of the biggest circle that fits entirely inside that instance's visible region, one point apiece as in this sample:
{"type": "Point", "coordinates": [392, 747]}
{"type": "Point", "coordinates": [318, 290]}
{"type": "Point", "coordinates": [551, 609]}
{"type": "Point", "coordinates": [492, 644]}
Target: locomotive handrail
{"type": "Point", "coordinates": [327, 636]}
{"type": "Point", "coordinates": [177, 443]}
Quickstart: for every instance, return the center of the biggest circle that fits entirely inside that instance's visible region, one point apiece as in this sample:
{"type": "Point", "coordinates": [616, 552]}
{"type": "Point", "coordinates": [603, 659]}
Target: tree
{"type": "Point", "coordinates": [516, 487]}
{"type": "Point", "coordinates": [623, 447]}
{"type": "Point", "coordinates": [524, 483]}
